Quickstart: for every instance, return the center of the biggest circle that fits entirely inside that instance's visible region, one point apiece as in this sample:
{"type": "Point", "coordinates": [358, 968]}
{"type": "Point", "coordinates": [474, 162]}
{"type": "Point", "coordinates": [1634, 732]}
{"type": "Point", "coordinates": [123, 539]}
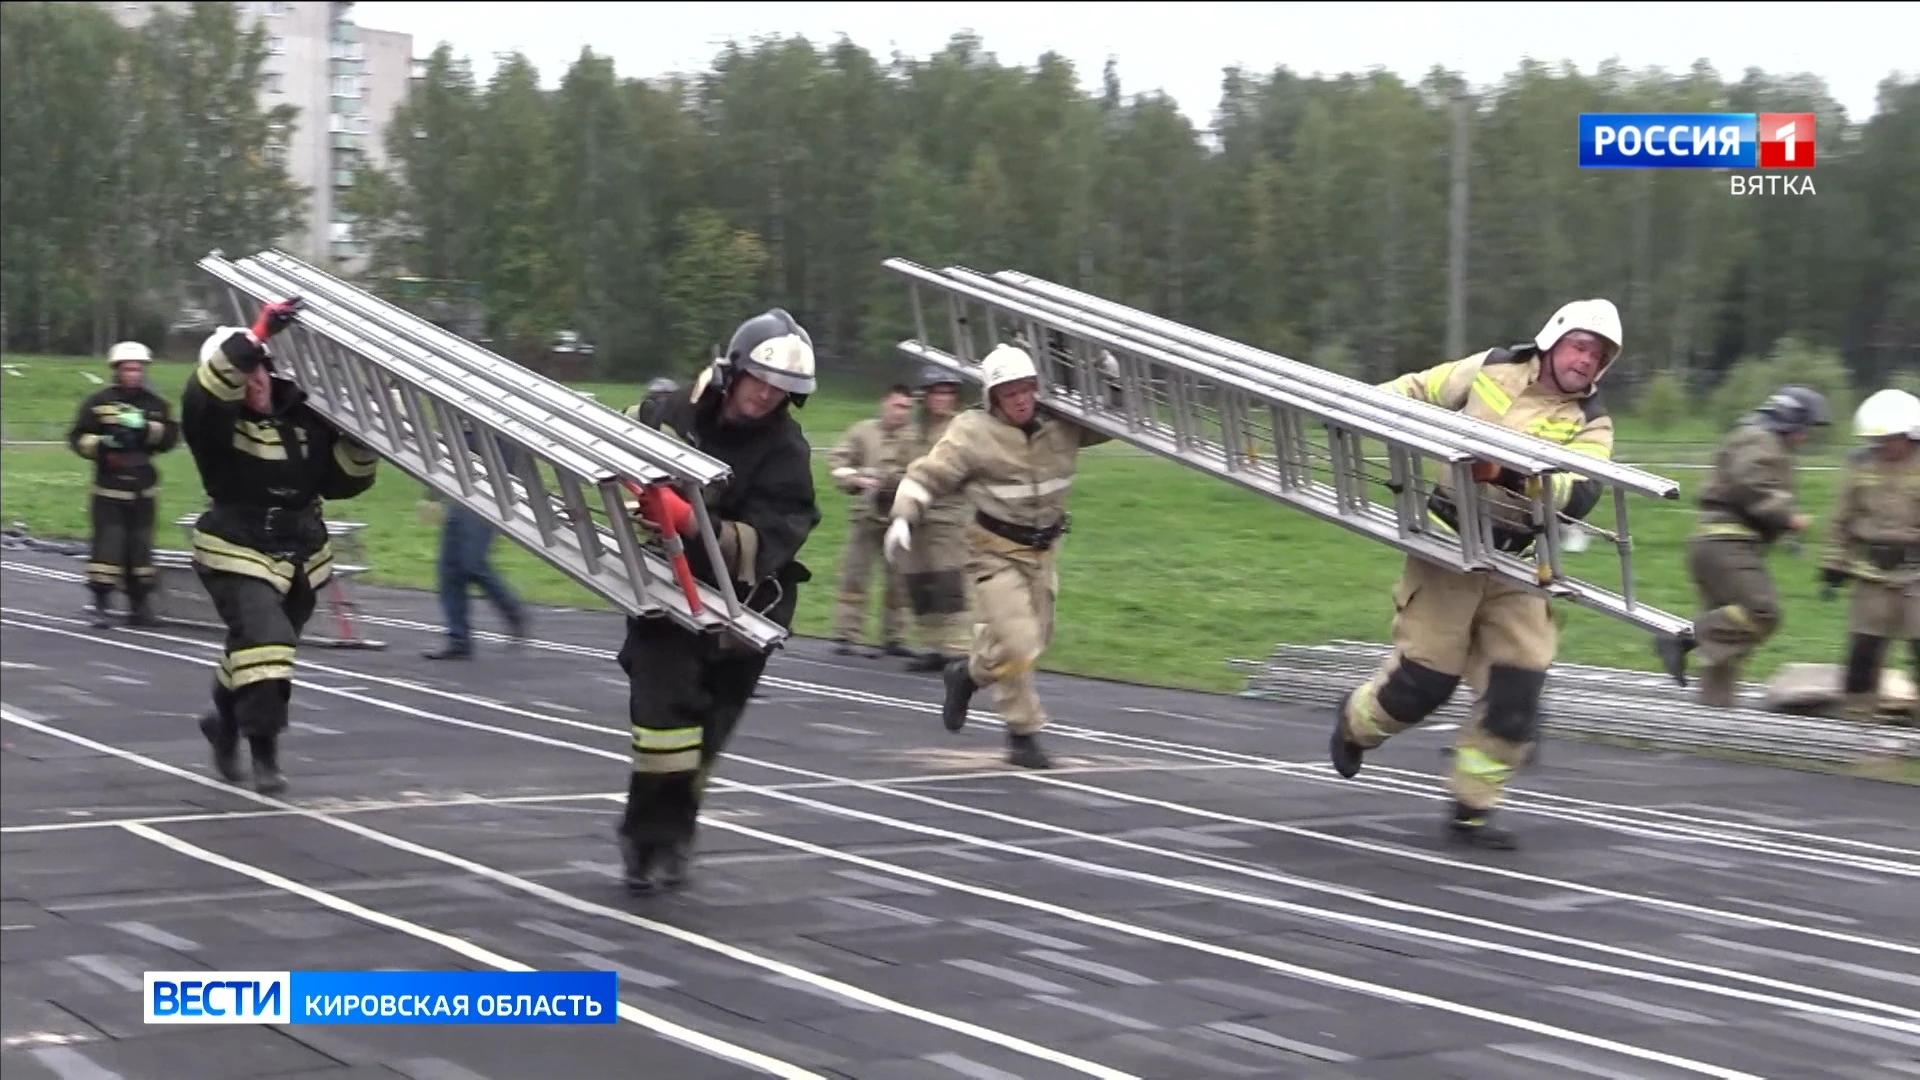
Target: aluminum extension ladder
{"type": "Point", "coordinates": [1285, 429]}
{"type": "Point", "coordinates": [455, 416]}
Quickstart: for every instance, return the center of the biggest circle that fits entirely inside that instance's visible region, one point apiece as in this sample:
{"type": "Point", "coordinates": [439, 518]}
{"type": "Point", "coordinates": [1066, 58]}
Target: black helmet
{"type": "Point", "coordinates": [772, 347]}
{"type": "Point", "coordinates": [1795, 408]}
{"type": "Point", "coordinates": [934, 375]}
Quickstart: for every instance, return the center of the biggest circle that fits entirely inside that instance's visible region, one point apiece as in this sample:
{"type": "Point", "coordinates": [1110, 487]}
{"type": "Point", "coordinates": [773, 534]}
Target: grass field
{"type": "Point", "coordinates": [1166, 575]}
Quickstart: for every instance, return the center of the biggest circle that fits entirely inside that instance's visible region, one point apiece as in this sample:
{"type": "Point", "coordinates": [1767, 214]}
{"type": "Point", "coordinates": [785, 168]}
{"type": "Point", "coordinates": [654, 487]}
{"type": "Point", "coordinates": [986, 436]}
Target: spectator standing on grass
{"type": "Point", "coordinates": [466, 542]}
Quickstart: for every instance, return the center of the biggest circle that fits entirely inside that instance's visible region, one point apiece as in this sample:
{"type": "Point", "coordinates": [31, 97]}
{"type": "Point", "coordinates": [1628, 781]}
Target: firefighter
{"type": "Point", "coordinates": [1874, 543]}
{"type": "Point", "coordinates": [935, 570]}
{"type": "Point", "coordinates": [119, 428]}
{"type": "Point", "coordinates": [1014, 463]}
{"type": "Point", "coordinates": [1450, 626]}
{"type": "Point", "coordinates": [1746, 506]}
{"type": "Point", "coordinates": [688, 690]}
{"type": "Point", "coordinates": [266, 459]}
{"type": "Point", "coordinates": [867, 464]}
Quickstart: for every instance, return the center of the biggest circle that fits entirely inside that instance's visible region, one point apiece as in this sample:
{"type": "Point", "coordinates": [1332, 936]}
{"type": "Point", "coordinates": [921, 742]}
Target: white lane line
{"type": "Point", "coordinates": [700, 1041]}
{"type": "Point", "coordinates": [587, 907]}
{"type": "Point", "coordinates": [1520, 801]}
{"type": "Point", "coordinates": [1326, 978]}
{"type": "Point", "coordinates": [1742, 918]}
{"type": "Point", "coordinates": [1327, 914]}
{"type": "Point", "coordinates": [1331, 915]}
{"type": "Point", "coordinates": [241, 815]}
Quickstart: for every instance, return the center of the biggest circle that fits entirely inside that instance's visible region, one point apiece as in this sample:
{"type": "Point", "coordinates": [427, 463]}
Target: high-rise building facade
{"type": "Point", "coordinates": [346, 81]}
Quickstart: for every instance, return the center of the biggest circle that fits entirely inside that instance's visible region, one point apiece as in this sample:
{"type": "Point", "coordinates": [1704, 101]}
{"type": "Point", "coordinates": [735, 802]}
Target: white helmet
{"type": "Point", "coordinates": [1005, 364]}
{"type": "Point", "coordinates": [1888, 414]}
{"type": "Point", "coordinates": [129, 350]}
{"type": "Point", "coordinates": [1595, 316]}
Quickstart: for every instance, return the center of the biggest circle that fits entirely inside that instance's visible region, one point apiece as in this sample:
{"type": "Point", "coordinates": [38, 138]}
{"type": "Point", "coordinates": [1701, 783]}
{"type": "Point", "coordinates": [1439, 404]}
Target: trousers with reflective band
{"type": "Point", "coordinates": [254, 683]}
{"type": "Point", "coordinates": [121, 556]}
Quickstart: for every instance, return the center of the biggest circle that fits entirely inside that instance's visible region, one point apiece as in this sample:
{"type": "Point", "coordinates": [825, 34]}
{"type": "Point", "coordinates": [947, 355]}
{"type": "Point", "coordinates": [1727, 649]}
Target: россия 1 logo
{"type": "Point", "coordinates": [1704, 141]}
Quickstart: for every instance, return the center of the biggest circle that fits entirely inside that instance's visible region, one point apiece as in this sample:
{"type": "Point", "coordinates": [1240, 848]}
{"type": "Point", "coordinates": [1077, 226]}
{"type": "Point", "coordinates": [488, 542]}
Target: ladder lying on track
{"type": "Point", "coordinates": [1288, 430]}
{"type": "Point", "coordinates": [549, 467]}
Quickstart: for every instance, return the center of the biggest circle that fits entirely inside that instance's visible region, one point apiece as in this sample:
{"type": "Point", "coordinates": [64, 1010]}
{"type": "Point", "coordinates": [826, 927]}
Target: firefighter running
{"type": "Point", "coordinates": [1498, 637]}
{"type": "Point", "coordinates": [867, 464]}
{"type": "Point", "coordinates": [1014, 462]}
{"type": "Point", "coordinates": [119, 428]}
{"type": "Point", "coordinates": [1874, 543]}
{"type": "Point", "coordinates": [687, 690]}
{"type": "Point", "coordinates": [266, 459]}
{"type": "Point", "coordinates": [935, 569]}
{"type": "Point", "coordinates": [1746, 506]}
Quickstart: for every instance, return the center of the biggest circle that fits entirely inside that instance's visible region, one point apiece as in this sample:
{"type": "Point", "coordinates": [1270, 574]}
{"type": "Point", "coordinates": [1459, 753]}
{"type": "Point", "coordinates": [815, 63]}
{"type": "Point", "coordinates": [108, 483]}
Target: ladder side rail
{"type": "Point", "coordinates": [1527, 457]}
{"type": "Point", "coordinates": [648, 586]}
{"type": "Point", "coordinates": [1635, 480]}
{"type": "Point", "coordinates": [1386, 428]}
{"type": "Point", "coordinates": [594, 418]}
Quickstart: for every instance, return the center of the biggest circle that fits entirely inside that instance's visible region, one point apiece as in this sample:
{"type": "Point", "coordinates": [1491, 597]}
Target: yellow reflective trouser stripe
{"type": "Point", "coordinates": [260, 663]}
{"type": "Point", "coordinates": [1477, 763]}
{"type": "Point", "coordinates": [1366, 727]}
{"type": "Point", "coordinates": [1489, 391]}
{"type": "Point", "coordinates": [666, 750]}
{"type": "Point", "coordinates": [217, 554]}
{"type": "Point", "coordinates": [1725, 528]}
{"type": "Point", "coordinates": [103, 570]}
{"type": "Point", "coordinates": [1738, 616]}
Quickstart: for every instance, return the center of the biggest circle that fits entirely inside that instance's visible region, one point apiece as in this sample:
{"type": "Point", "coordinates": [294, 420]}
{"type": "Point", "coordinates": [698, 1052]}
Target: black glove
{"type": "Point", "coordinates": [276, 317]}
{"type": "Point", "coordinates": [243, 353]}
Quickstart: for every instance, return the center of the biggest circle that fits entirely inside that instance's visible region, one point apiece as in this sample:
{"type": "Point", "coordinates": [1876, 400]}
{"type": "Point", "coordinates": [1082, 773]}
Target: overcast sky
{"type": "Point", "coordinates": [1181, 47]}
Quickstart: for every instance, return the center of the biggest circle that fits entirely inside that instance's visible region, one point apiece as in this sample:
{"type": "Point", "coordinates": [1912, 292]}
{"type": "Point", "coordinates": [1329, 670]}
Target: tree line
{"type": "Point", "coordinates": [1312, 218]}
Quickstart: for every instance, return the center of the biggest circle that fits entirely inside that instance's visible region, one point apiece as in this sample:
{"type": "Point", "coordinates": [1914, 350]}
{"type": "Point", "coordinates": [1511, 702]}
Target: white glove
{"type": "Point", "coordinates": [899, 539]}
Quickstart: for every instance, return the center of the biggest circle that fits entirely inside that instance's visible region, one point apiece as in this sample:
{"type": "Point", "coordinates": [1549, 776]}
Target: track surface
{"type": "Point", "coordinates": [1192, 895]}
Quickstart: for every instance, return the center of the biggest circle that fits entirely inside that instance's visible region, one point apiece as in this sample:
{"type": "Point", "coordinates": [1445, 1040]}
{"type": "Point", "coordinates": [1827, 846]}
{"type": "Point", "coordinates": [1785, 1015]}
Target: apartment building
{"type": "Point", "coordinates": [346, 81]}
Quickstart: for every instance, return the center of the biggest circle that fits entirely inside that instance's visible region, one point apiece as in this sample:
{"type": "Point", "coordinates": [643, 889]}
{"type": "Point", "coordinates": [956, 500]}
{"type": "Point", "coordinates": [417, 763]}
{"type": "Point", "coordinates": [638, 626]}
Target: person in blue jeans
{"type": "Point", "coordinates": [465, 539]}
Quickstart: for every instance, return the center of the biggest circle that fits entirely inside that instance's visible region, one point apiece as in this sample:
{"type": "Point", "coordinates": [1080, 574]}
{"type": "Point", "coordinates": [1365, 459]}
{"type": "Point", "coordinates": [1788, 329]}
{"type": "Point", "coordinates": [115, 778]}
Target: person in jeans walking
{"type": "Point", "coordinates": [465, 540]}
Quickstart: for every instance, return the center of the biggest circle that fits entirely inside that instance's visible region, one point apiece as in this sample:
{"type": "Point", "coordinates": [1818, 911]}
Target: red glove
{"type": "Point", "coordinates": [1486, 472]}
{"type": "Point", "coordinates": [665, 509]}
{"type": "Point", "coordinates": [276, 317]}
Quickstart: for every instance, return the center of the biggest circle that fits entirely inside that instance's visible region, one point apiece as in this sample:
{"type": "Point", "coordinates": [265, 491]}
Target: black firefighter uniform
{"type": "Point", "coordinates": [119, 429]}
{"type": "Point", "coordinates": [1449, 626]}
{"type": "Point", "coordinates": [687, 691]}
{"type": "Point", "coordinates": [261, 548]}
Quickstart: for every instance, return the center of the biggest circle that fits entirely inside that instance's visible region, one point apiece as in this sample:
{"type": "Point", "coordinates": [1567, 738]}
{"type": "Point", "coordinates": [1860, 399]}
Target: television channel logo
{"type": "Point", "coordinates": [1697, 140]}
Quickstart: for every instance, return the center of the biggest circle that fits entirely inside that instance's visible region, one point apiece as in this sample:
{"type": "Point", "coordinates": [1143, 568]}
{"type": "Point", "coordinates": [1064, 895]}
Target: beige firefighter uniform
{"type": "Point", "coordinates": [1016, 480]}
{"type": "Point", "coordinates": [935, 568]}
{"type": "Point", "coordinates": [1746, 505]}
{"type": "Point", "coordinates": [1449, 626]}
{"type": "Point", "coordinates": [872, 452]}
{"type": "Point", "coordinates": [1874, 544]}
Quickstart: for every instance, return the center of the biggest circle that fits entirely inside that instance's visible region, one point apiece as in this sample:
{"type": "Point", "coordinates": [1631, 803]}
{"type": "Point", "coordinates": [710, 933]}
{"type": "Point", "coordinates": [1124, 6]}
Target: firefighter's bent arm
{"type": "Point", "coordinates": [849, 458]}
{"type": "Point", "coordinates": [943, 470]}
{"type": "Point", "coordinates": [162, 433]}
{"type": "Point", "coordinates": [351, 469]}
{"type": "Point", "coordinates": [1577, 496]}
{"type": "Point", "coordinates": [1763, 485]}
{"type": "Point", "coordinates": [769, 533]}
{"type": "Point", "coordinates": [1444, 385]}
{"type": "Point", "coordinates": [84, 436]}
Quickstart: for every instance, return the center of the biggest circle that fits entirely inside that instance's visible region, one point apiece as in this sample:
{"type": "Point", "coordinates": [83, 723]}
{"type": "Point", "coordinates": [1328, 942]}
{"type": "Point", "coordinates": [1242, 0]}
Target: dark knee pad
{"type": "Point", "coordinates": [1513, 703]}
{"type": "Point", "coordinates": [1414, 691]}
{"type": "Point", "coordinates": [940, 592]}
{"type": "Point", "coordinates": [261, 708]}
{"type": "Point", "coordinates": [1864, 657]}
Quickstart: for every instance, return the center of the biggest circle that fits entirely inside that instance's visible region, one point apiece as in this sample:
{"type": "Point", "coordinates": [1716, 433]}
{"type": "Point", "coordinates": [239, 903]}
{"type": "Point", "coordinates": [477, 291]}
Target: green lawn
{"type": "Point", "coordinates": [1167, 573]}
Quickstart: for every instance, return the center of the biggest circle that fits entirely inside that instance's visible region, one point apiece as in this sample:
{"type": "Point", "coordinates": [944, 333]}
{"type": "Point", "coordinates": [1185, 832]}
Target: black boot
{"type": "Point", "coordinates": [142, 603]}
{"type": "Point", "coordinates": [1023, 751]}
{"type": "Point", "coordinates": [1673, 655]}
{"type": "Point", "coordinates": [267, 778]}
{"type": "Point", "coordinates": [897, 648]}
{"type": "Point", "coordinates": [960, 688]}
{"type": "Point", "coordinates": [1346, 755]}
{"type": "Point", "coordinates": [930, 660]}
{"type": "Point", "coordinates": [636, 861]}
{"type": "Point", "coordinates": [102, 608]}
{"type": "Point", "coordinates": [671, 863]}
{"type": "Point", "coordinates": [1469, 826]}
{"type": "Point", "coordinates": [224, 737]}
{"type": "Point", "coordinates": [845, 647]}
{"type": "Point", "coordinates": [450, 652]}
